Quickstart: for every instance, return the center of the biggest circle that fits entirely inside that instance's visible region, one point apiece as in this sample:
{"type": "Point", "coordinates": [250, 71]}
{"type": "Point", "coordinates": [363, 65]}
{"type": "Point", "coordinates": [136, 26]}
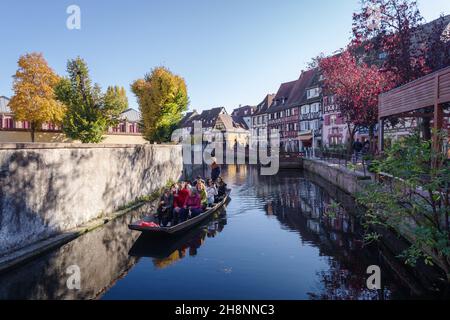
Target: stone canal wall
{"type": "Point", "coordinates": [348, 180]}
{"type": "Point", "coordinates": [47, 189]}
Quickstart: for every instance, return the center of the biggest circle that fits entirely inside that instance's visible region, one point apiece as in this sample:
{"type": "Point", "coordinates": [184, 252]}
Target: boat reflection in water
{"type": "Point", "coordinates": [166, 250]}
{"type": "Point", "coordinates": [289, 236]}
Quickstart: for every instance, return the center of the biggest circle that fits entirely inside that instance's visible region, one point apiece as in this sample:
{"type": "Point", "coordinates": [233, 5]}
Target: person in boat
{"type": "Point", "coordinates": [221, 189]}
{"type": "Point", "coordinates": [194, 204]}
{"type": "Point", "coordinates": [190, 186]}
{"type": "Point", "coordinates": [165, 208]}
{"type": "Point", "coordinates": [211, 192]}
{"type": "Point", "coordinates": [180, 210]}
{"type": "Point", "coordinates": [201, 188]}
{"type": "Point", "coordinates": [174, 189]}
{"type": "Point", "coordinates": [197, 181]}
{"type": "Point", "coordinates": [215, 170]}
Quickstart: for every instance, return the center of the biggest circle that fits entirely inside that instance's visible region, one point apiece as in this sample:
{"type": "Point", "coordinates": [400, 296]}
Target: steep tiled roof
{"type": "Point", "coordinates": [207, 117]}
{"type": "Point", "coordinates": [245, 111]}
{"type": "Point", "coordinates": [264, 105]}
{"type": "Point", "coordinates": [240, 122]}
{"type": "Point", "coordinates": [188, 117]}
{"type": "Point", "coordinates": [294, 92]}
{"type": "Point", "coordinates": [4, 105]}
{"type": "Point", "coordinates": [232, 122]}
{"type": "Point", "coordinates": [131, 115]}
{"type": "Point", "coordinates": [283, 94]}
{"type": "Point", "coordinates": [298, 94]}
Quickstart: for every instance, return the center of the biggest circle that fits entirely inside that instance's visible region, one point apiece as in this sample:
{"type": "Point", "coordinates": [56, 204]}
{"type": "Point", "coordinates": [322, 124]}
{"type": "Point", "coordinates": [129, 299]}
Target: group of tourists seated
{"type": "Point", "coordinates": [185, 200]}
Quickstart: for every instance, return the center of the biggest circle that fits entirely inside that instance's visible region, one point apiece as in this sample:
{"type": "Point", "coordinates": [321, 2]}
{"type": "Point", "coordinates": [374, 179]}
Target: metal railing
{"type": "Point", "coordinates": [355, 161]}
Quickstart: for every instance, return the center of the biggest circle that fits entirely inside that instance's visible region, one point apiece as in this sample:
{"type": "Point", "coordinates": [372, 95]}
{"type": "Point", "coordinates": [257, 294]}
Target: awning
{"type": "Point", "coordinates": [305, 138]}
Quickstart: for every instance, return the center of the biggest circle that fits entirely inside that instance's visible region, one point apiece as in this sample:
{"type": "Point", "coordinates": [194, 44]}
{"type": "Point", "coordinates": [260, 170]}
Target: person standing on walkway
{"type": "Point", "coordinates": [357, 147]}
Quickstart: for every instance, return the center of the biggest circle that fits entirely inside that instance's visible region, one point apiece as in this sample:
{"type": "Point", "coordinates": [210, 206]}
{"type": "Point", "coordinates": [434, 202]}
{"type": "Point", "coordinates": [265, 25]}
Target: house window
{"type": "Point", "coordinates": [9, 123]}
{"type": "Point", "coordinates": [305, 109]}
{"type": "Point", "coordinates": [313, 93]}
{"type": "Point", "coordinates": [288, 113]}
{"type": "Point", "coordinates": [315, 107]}
{"type": "Point", "coordinates": [304, 126]}
{"type": "Point", "coordinates": [333, 120]}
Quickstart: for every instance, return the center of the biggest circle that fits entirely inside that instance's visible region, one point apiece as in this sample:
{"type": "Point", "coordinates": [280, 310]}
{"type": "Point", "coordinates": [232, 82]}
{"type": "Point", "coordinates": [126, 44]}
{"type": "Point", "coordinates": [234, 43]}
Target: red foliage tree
{"type": "Point", "coordinates": [390, 27]}
{"type": "Point", "coordinates": [356, 87]}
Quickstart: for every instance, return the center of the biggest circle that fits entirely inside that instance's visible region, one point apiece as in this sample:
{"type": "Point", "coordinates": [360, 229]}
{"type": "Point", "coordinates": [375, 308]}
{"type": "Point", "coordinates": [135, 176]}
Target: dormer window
{"type": "Point", "coordinates": [313, 93]}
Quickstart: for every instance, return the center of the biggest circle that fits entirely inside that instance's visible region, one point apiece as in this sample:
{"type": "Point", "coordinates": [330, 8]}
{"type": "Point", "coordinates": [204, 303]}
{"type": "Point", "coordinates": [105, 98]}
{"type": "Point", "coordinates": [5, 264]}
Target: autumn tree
{"type": "Point", "coordinates": [89, 112]}
{"type": "Point", "coordinates": [162, 98]}
{"type": "Point", "coordinates": [390, 27]}
{"type": "Point", "coordinates": [393, 28]}
{"type": "Point", "coordinates": [34, 98]}
{"type": "Point", "coordinates": [356, 87]}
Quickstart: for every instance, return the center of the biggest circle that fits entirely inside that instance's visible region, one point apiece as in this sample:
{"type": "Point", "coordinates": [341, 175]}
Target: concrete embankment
{"type": "Point", "coordinates": [47, 190]}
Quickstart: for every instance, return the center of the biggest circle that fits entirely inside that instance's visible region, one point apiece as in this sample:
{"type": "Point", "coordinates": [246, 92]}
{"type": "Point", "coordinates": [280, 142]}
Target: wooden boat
{"type": "Point", "coordinates": [183, 226]}
{"type": "Point", "coordinates": [160, 247]}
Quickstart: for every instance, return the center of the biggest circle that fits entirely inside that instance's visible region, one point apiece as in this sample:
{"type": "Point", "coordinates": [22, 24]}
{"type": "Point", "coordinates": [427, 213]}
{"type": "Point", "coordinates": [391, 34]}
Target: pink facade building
{"type": "Point", "coordinates": [129, 122]}
{"type": "Point", "coordinates": [8, 122]}
{"type": "Point", "coordinates": [335, 130]}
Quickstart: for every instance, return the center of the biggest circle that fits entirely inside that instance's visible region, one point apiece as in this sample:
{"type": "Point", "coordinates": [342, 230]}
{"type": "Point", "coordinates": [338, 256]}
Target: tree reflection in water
{"type": "Point", "coordinates": [294, 223]}
{"type": "Point", "coordinates": [328, 218]}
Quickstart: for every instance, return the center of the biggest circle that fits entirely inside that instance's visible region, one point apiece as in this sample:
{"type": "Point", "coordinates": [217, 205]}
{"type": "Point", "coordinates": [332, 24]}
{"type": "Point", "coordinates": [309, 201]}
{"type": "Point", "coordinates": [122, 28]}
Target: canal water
{"type": "Point", "coordinates": [289, 236]}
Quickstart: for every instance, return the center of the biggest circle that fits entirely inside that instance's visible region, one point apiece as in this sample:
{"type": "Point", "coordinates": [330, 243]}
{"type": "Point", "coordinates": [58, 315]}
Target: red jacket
{"type": "Point", "coordinates": [180, 200]}
{"type": "Point", "coordinates": [194, 202]}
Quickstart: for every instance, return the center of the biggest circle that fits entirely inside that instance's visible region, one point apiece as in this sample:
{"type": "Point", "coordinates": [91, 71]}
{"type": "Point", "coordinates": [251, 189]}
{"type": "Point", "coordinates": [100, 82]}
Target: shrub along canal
{"type": "Point", "coordinates": [289, 236]}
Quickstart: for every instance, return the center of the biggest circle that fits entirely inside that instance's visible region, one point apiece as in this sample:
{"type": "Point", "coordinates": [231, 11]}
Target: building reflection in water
{"type": "Point", "coordinates": [327, 218]}
{"type": "Point", "coordinates": [315, 214]}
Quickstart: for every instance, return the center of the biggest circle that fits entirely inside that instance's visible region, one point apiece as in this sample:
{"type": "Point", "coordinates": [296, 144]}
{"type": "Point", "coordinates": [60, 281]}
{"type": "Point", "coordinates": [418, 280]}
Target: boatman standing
{"type": "Point", "coordinates": [215, 169]}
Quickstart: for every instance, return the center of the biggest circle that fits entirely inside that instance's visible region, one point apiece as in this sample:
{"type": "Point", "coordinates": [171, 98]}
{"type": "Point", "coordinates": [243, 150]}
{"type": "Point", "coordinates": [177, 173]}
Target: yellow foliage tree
{"type": "Point", "coordinates": [34, 98]}
{"type": "Point", "coordinates": [162, 98]}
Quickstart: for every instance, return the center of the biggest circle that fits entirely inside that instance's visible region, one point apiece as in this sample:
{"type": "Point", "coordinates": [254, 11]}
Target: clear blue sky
{"type": "Point", "coordinates": [230, 52]}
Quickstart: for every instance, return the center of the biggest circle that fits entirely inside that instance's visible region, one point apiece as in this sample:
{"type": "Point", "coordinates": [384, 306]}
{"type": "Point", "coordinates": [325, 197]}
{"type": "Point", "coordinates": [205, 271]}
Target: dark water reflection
{"type": "Point", "coordinates": [290, 236]}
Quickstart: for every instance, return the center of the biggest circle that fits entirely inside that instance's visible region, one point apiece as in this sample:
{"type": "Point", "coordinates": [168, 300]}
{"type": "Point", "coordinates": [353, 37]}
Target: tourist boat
{"type": "Point", "coordinates": [181, 227]}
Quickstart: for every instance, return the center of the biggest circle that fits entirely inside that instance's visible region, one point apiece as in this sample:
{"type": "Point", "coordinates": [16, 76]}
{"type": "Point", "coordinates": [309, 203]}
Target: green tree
{"type": "Point", "coordinates": [116, 102]}
{"type": "Point", "coordinates": [414, 199]}
{"type": "Point", "coordinates": [89, 112]}
{"type": "Point", "coordinates": [162, 98]}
